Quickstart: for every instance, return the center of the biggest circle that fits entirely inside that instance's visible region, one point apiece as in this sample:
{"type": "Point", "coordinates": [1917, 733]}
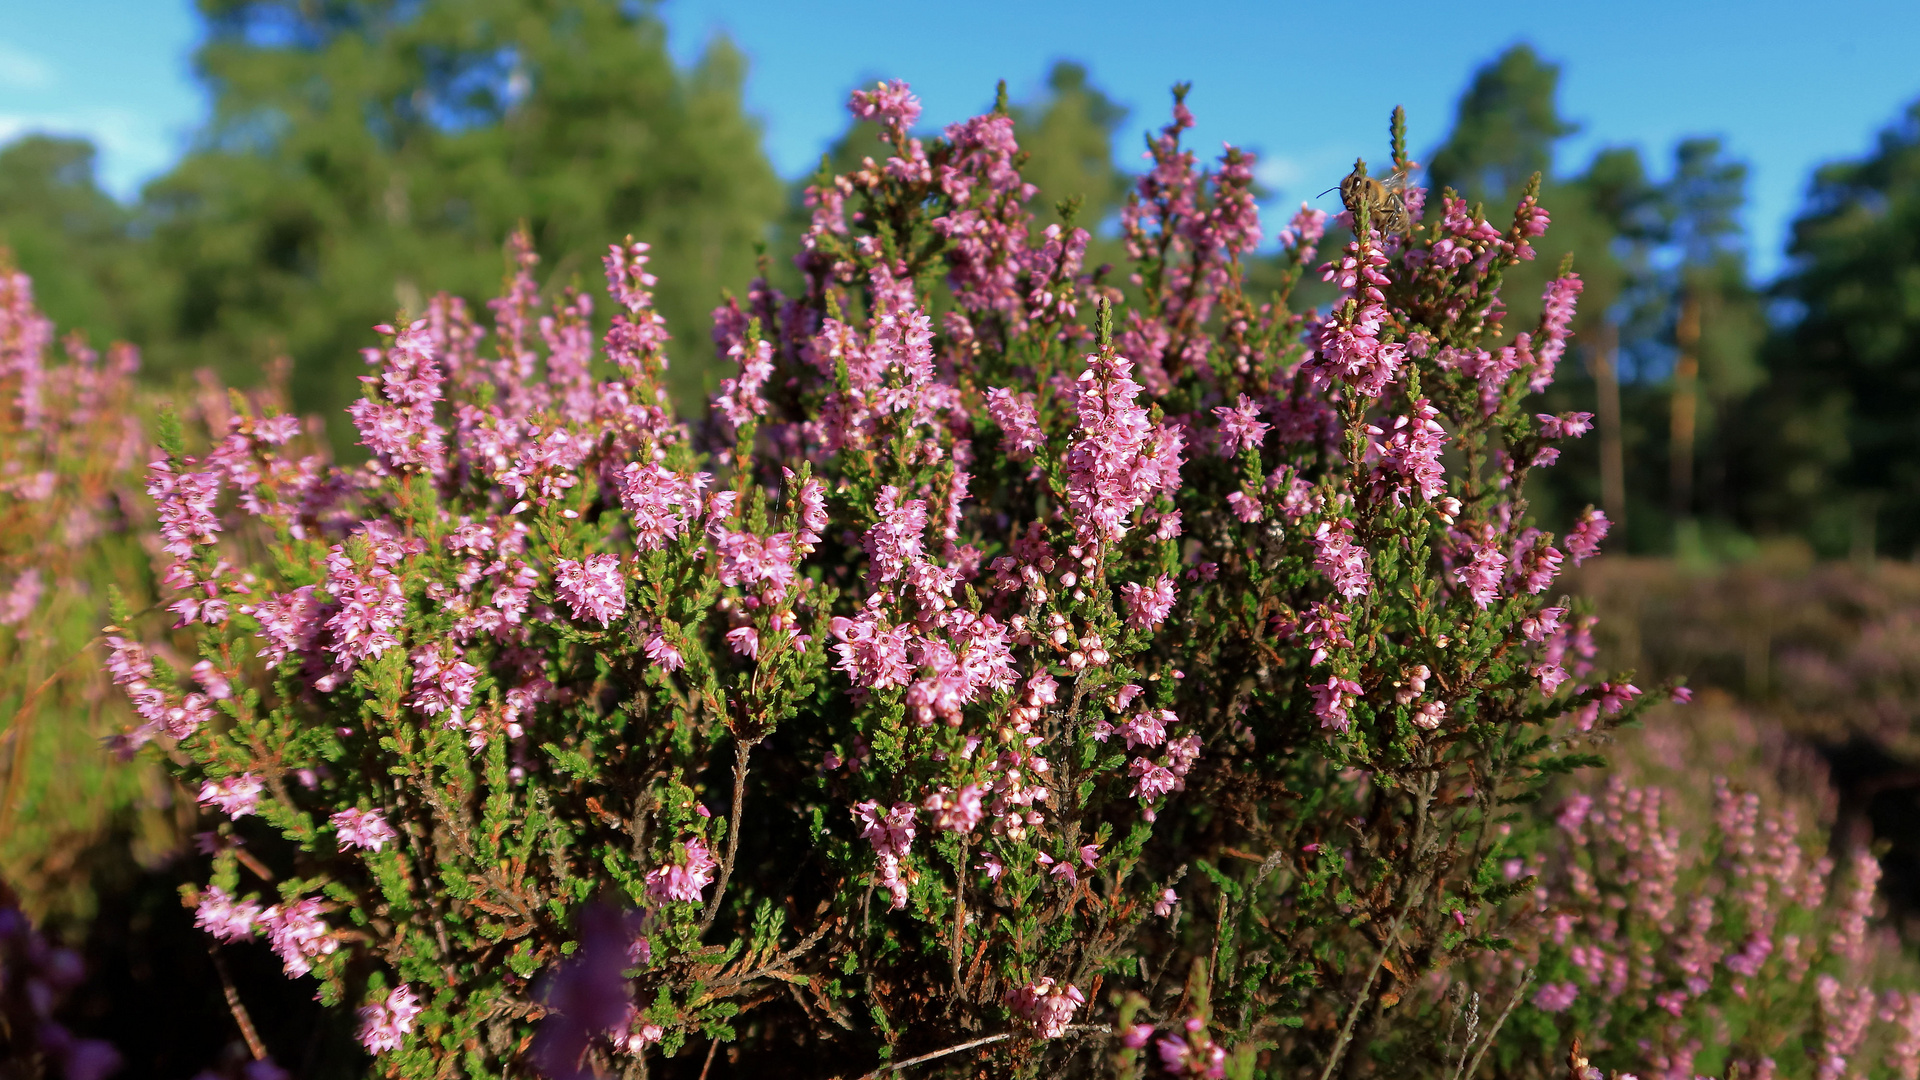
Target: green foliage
{"type": "Point", "coordinates": [72, 237]}
{"type": "Point", "coordinates": [1507, 124]}
{"type": "Point", "coordinates": [1846, 469]}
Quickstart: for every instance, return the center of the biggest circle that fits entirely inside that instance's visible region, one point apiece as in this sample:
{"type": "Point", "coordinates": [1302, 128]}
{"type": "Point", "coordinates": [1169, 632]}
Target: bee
{"type": "Point", "coordinates": [1385, 199]}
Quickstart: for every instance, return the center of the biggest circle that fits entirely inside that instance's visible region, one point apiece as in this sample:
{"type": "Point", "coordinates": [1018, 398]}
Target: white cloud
{"type": "Point", "coordinates": [132, 149]}
{"type": "Point", "coordinates": [21, 70]}
{"type": "Point", "coordinates": [1302, 176]}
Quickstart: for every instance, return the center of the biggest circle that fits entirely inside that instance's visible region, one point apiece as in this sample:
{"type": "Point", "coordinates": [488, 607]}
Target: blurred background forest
{"type": "Point", "coordinates": [1758, 441]}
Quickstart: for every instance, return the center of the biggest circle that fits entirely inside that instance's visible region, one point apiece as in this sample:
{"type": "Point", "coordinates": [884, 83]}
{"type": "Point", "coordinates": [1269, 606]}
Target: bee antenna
{"type": "Point", "coordinates": [1335, 187]}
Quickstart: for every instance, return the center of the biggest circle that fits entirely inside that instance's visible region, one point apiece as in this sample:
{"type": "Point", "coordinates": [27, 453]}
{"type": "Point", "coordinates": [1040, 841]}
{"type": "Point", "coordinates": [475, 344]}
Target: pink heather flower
{"type": "Point", "coordinates": [1584, 541]}
{"type": "Point", "coordinates": [1332, 700]}
{"type": "Point", "coordinates": [663, 503]}
{"type": "Point", "coordinates": [813, 508]}
{"type": "Point", "coordinates": [1326, 630]}
{"type": "Point", "coordinates": [683, 881]}
{"type": "Point", "coordinates": [1551, 677]}
{"type": "Point", "coordinates": [371, 606]}
{"type": "Point", "coordinates": [891, 831]}
{"type": "Point", "coordinates": [894, 541]}
{"type": "Point", "coordinates": [224, 918]}
{"type": "Point", "coordinates": [1303, 233]}
{"type": "Point", "coordinates": [236, 796]}
{"type": "Point", "coordinates": [1245, 507]}
{"type": "Point", "coordinates": [1347, 346]}
{"type": "Point", "coordinates": [1849, 938]}
{"type": "Point", "coordinates": [662, 653]}
{"type": "Point", "coordinates": [1240, 427]}
{"type": "Point", "coordinates": [745, 641]}
{"type": "Point", "coordinates": [1429, 715]}
{"type": "Point", "coordinates": [401, 430]}
{"type": "Point", "coordinates": [637, 1033]}
{"type": "Point", "coordinates": [1541, 626]}
{"type": "Point", "coordinates": [1844, 1015]}
{"type": "Point", "coordinates": [1482, 574]}
{"type": "Point", "coordinates": [957, 811]}
{"type": "Point", "coordinates": [1340, 559]}
{"type": "Point", "coordinates": [1410, 456]}
{"type": "Point", "coordinates": [1137, 1036]}
{"type": "Point", "coordinates": [442, 684]}
{"type": "Point", "coordinates": [298, 935]}
{"type": "Point", "coordinates": [185, 505]}
{"type": "Point", "coordinates": [1147, 606]}
{"type": "Point", "coordinates": [1119, 460]}
{"type": "Point", "coordinates": [21, 597]}
{"type": "Point", "coordinates": [1151, 781]}
{"type": "Point", "coordinates": [210, 678]}
{"type": "Point", "coordinates": [890, 104]}
{"type": "Point", "coordinates": [872, 653]}
{"type": "Point", "coordinates": [1555, 997]}
{"type": "Point", "coordinates": [364, 829]}
{"type": "Point", "coordinates": [1556, 316]}
{"type": "Point", "coordinates": [1538, 565]}
{"type": "Point", "coordinates": [747, 559]}
{"type": "Point", "coordinates": [1902, 1010]}
{"type": "Point", "coordinates": [1046, 1005]}
{"type": "Point", "coordinates": [1568, 425]}
{"type": "Point", "coordinates": [1163, 907]}
{"type": "Point", "coordinates": [289, 623]}
{"type": "Point", "coordinates": [1147, 727]}
{"type": "Point", "coordinates": [739, 401]}
{"type": "Point", "coordinates": [127, 661]}
{"type": "Point", "coordinates": [1682, 695]}
{"type": "Point", "coordinates": [594, 589]}
{"type": "Point", "coordinates": [1013, 411]}
{"type": "Point", "coordinates": [1614, 698]}
{"type": "Point", "coordinates": [382, 1023]}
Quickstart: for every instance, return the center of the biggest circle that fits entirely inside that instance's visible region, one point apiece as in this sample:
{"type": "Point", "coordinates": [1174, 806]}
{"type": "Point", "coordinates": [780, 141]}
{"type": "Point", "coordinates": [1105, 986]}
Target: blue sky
{"type": "Point", "coordinates": [1309, 85]}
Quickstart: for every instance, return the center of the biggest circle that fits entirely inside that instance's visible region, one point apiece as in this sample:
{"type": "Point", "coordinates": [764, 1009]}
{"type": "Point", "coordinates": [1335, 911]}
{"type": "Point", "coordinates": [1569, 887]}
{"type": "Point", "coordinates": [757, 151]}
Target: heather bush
{"type": "Point", "coordinates": [71, 523]}
{"type": "Point", "coordinates": [1022, 669]}
{"type": "Point", "coordinates": [1689, 923]}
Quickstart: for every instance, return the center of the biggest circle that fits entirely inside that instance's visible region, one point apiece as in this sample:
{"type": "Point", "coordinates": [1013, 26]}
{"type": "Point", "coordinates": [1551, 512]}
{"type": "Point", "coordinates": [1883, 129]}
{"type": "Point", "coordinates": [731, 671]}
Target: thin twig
{"type": "Point", "coordinates": [1494, 1031]}
{"type": "Point", "coordinates": [741, 748]}
{"type": "Point", "coordinates": [712, 1047]}
{"type": "Point", "coordinates": [254, 1046]}
{"type": "Point", "coordinates": [987, 1040]}
{"type": "Point", "coordinates": [898, 1065]}
{"type": "Point", "coordinates": [1366, 990]}
{"type": "Point", "coordinates": [22, 732]}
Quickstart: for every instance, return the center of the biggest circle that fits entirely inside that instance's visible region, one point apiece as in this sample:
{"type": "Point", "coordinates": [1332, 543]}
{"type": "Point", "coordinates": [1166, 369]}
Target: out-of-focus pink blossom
{"type": "Point", "coordinates": [1556, 315]}
{"type": "Point", "coordinates": [1555, 997]}
{"type": "Point", "coordinates": [383, 1023]}
{"type": "Point", "coordinates": [236, 796]}
{"type": "Point", "coordinates": [1013, 411]}
{"type": "Point", "coordinates": [1240, 427]}
{"type": "Point", "coordinates": [224, 918]}
{"type": "Point", "coordinates": [298, 935]}
{"type": "Point", "coordinates": [1584, 541]}
{"type": "Point", "coordinates": [683, 881]}
{"type": "Point", "coordinates": [363, 829]}
{"type": "Point", "coordinates": [1046, 1005]}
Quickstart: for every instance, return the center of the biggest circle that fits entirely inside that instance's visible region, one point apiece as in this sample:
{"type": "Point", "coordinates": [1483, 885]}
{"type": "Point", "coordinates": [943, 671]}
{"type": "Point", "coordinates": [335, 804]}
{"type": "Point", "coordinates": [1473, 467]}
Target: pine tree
{"type": "Point", "coordinates": [1845, 459]}
{"type": "Point", "coordinates": [365, 153]}
{"type": "Point", "coordinates": [68, 235]}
